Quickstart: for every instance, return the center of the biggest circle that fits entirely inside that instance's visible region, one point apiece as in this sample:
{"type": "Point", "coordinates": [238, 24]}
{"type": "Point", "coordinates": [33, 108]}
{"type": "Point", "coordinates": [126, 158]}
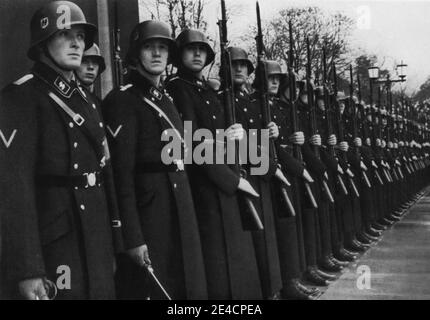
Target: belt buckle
{"type": "Point", "coordinates": [116, 223]}
{"type": "Point", "coordinates": [78, 119]}
{"type": "Point", "coordinates": [179, 164]}
{"type": "Point", "coordinates": [91, 179]}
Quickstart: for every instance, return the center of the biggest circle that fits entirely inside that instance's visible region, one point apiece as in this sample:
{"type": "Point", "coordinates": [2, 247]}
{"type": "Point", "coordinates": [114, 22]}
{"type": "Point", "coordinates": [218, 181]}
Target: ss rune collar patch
{"type": "Point", "coordinates": [8, 142]}
{"type": "Point", "coordinates": [62, 86]}
{"type": "Point", "coordinates": [155, 93]}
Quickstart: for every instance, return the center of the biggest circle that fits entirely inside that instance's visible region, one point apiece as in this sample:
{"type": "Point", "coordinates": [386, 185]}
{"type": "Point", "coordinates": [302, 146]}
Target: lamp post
{"type": "Point", "coordinates": [374, 78]}
{"type": "Point", "coordinates": [373, 74]}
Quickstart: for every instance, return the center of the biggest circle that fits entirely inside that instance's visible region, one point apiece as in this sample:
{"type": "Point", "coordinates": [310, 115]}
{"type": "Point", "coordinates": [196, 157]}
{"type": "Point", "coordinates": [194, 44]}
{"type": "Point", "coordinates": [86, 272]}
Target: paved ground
{"type": "Point", "coordinates": [399, 264]}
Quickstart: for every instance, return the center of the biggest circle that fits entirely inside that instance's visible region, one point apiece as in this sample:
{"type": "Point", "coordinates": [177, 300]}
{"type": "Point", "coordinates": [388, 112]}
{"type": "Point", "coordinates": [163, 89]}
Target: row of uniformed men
{"type": "Point", "coordinates": [82, 192]}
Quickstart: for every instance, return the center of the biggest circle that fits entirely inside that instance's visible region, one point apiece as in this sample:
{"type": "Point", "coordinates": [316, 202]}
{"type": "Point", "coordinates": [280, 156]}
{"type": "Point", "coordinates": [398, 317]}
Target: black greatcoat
{"type": "Point", "coordinates": [155, 200]}
{"type": "Point", "coordinates": [249, 115]}
{"type": "Point", "coordinates": [231, 266]}
{"type": "Point", "coordinates": [48, 220]}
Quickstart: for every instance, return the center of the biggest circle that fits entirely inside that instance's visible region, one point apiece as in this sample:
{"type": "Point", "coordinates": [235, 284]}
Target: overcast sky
{"type": "Point", "coordinates": [393, 30]}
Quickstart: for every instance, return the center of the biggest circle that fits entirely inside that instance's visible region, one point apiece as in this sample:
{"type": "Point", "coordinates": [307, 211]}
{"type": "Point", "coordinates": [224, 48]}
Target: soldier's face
{"type": "Point", "coordinates": [239, 72]}
{"type": "Point", "coordinates": [67, 46]}
{"type": "Point", "coordinates": [341, 107]}
{"type": "Point", "coordinates": [88, 71]}
{"type": "Point", "coordinates": [194, 57]}
{"type": "Point", "coordinates": [153, 55]}
{"type": "Point", "coordinates": [273, 82]}
{"type": "Point", "coordinates": [321, 104]}
{"type": "Point", "coordinates": [304, 97]}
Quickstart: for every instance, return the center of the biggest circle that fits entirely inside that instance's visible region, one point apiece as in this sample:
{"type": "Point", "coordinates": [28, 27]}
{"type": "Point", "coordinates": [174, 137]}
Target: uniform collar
{"type": "Point", "coordinates": [143, 84]}
{"type": "Point", "coordinates": [56, 80]}
{"type": "Point", "coordinates": [191, 78]}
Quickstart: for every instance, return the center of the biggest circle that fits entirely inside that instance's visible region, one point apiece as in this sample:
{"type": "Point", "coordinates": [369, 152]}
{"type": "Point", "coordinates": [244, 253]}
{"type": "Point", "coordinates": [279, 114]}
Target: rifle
{"type": "Point", "coordinates": [118, 66]}
{"type": "Point", "coordinates": [378, 177]}
{"type": "Point", "coordinates": [229, 106]}
{"type": "Point", "coordinates": [312, 111]}
{"type": "Point", "coordinates": [295, 122]}
{"type": "Point", "coordinates": [265, 108]}
{"type": "Point", "coordinates": [355, 126]}
{"type": "Point", "coordinates": [340, 132]}
{"type": "Point", "coordinates": [292, 87]}
{"type": "Point", "coordinates": [328, 117]}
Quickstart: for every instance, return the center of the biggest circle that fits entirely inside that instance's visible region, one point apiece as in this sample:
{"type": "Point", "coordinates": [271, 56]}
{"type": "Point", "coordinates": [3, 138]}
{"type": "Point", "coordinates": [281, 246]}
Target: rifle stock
{"type": "Point", "coordinates": [265, 108]}
{"type": "Point", "coordinates": [229, 108]}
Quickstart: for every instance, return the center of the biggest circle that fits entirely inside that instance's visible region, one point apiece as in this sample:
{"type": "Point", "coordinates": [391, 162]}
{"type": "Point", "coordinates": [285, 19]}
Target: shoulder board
{"type": "Point", "coordinates": [126, 87]}
{"type": "Point", "coordinates": [24, 79]}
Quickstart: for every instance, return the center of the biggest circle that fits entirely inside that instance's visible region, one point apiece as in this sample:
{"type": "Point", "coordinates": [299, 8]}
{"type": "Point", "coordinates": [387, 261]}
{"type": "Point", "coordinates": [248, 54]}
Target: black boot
{"type": "Point", "coordinates": [312, 276]}
{"type": "Point", "coordinates": [325, 275]}
{"type": "Point", "coordinates": [292, 292]}
{"type": "Point", "coordinates": [328, 265]}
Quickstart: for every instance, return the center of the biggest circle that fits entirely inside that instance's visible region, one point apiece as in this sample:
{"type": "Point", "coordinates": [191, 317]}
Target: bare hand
{"type": "Point", "coordinates": [33, 289]}
{"type": "Point", "coordinates": [368, 142]}
{"type": "Point", "coordinates": [235, 132]}
{"type": "Point", "coordinates": [357, 142]}
{"type": "Point", "coordinates": [332, 140]}
{"type": "Point", "coordinates": [273, 130]}
{"type": "Point", "coordinates": [140, 255]}
{"type": "Point", "coordinates": [339, 169]}
{"type": "Point", "coordinates": [315, 140]}
{"type": "Point", "coordinates": [297, 138]}
{"type": "Point", "coordinates": [343, 146]}
{"type": "Point", "coordinates": [378, 142]}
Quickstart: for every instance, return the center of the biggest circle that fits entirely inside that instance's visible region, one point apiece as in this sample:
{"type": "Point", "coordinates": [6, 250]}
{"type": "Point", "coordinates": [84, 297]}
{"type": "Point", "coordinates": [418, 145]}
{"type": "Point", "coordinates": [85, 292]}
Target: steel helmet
{"type": "Point", "coordinates": [238, 54]}
{"type": "Point", "coordinates": [148, 30]}
{"type": "Point", "coordinates": [190, 36]}
{"type": "Point", "coordinates": [272, 68]}
{"type": "Point", "coordinates": [94, 53]}
{"type": "Point", "coordinates": [56, 16]}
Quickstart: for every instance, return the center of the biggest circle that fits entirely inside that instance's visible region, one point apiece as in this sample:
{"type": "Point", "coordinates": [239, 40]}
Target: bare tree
{"type": "Point", "coordinates": [329, 30]}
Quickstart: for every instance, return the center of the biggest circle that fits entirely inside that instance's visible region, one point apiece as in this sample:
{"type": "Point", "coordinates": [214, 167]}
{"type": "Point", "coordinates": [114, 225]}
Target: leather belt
{"type": "Point", "coordinates": [86, 180]}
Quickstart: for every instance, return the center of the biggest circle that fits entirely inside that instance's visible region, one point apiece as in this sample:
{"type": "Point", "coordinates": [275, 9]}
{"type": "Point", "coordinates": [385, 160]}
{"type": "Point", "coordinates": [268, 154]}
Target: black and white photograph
{"type": "Point", "coordinates": [230, 152]}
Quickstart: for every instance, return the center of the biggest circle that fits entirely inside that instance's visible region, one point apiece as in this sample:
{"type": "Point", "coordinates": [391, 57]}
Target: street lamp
{"type": "Point", "coordinates": [373, 75]}
{"type": "Point", "coordinates": [401, 70]}
{"type": "Point", "coordinates": [373, 72]}
{"type": "Point", "coordinates": [374, 78]}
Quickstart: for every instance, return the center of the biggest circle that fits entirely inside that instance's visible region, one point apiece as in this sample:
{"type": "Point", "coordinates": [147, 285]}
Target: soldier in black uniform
{"type": "Point", "coordinates": [60, 217]}
{"type": "Point", "coordinates": [308, 225]}
{"type": "Point", "coordinates": [249, 116]}
{"type": "Point", "coordinates": [92, 66]}
{"type": "Point", "coordinates": [230, 261]}
{"type": "Point", "coordinates": [154, 196]}
{"type": "Point", "coordinates": [290, 229]}
{"type": "Point", "coordinates": [326, 209]}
